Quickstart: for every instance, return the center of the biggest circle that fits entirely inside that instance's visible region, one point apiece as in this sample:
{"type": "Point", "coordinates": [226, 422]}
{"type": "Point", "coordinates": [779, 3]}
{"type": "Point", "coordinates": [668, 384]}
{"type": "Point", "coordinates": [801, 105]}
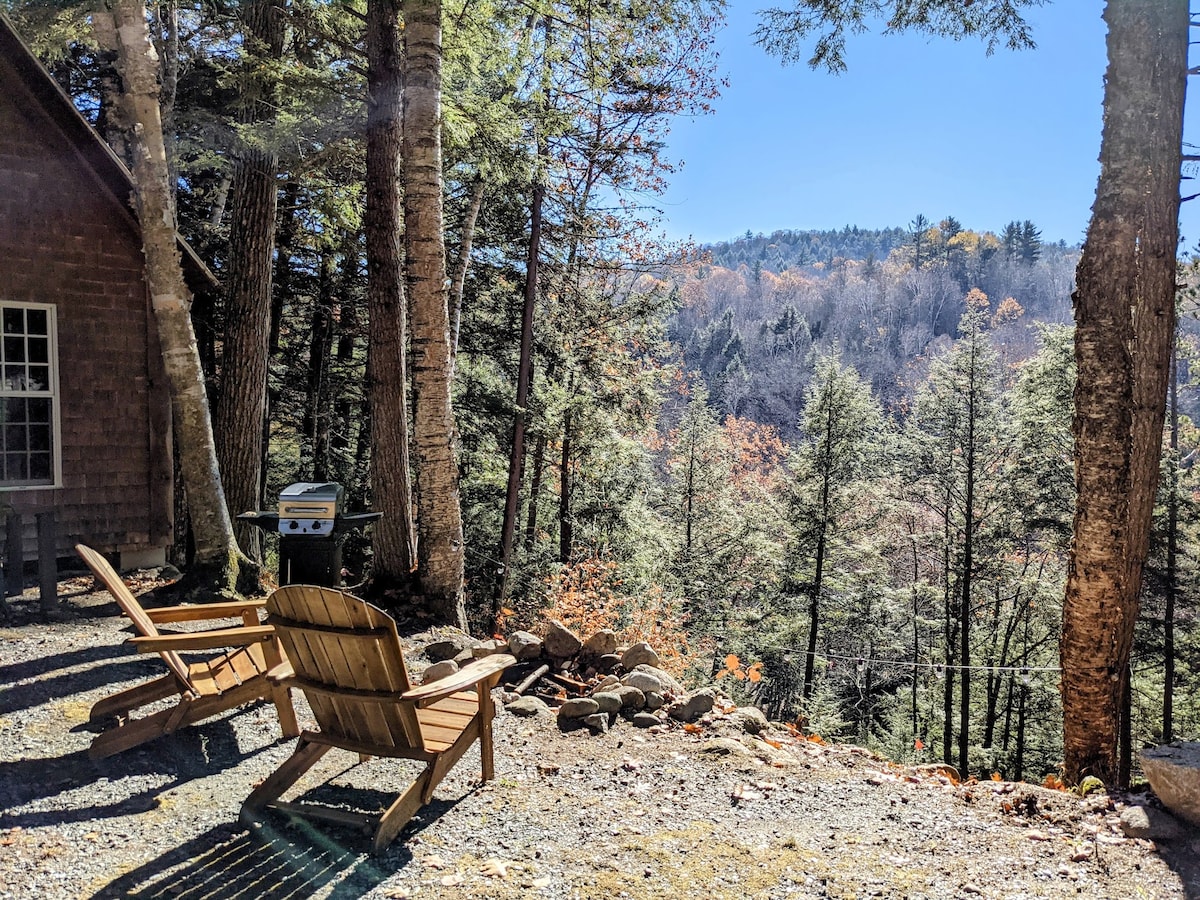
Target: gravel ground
{"type": "Point", "coordinates": [628, 813]}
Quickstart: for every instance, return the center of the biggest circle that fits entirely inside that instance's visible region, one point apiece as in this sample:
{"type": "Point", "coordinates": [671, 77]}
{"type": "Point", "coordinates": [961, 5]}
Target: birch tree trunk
{"type": "Point", "coordinates": [439, 522]}
{"type": "Point", "coordinates": [216, 549]}
{"type": "Point", "coordinates": [392, 537]}
{"type": "Point", "coordinates": [1125, 323]}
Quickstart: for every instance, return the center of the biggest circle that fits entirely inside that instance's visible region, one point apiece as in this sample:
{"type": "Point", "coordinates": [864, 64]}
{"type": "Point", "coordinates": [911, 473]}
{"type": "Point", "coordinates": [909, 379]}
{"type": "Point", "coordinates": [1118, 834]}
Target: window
{"type": "Point", "coordinates": [28, 396]}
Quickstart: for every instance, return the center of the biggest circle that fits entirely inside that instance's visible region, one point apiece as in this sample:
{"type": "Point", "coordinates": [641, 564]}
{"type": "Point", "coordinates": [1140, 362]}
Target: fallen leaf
{"type": "Point", "coordinates": [495, 868]}
{"type": "Point", "coordinates": [1037, 835]}
{"type": "Point", "coordinates": [433, 861]}
{"type": "Point", "coordinates": [692, 728]}
{"type": "Point", "coordinates": [452, 880]}
{"type": "Point", "coordinates": [398, 893]}
{"type": "Point", "coordinates": [732, 661]}
{"type": "Point", "coordinates": [547, 768]}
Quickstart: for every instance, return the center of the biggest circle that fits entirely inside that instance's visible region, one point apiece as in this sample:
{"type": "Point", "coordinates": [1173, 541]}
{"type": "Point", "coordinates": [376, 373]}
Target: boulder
{"type": "Point", "coordinates": [597, 722]}
{"type": "Point", "coordinates": [1173, 771]}
{"type": "Point", "coordinates": [578, 708]}
{"type": "Point", "coordinates": [527, 707]}
{"type": "Point", "coordinates": [639, 654]}
{"type": "Point", "coordinates": [524, 645]}
{"type": "Point", "coordinates": [608, 701]}
{"type": "Point", "coordinates": [601, 643]}
{"type": "Point", "coordinates": [489, 647]}
{"type": "Point", "coordinates": [750, 719]}
{"type": "Point", "coordinates": [646, 720]}
{"type": "Point", "coordinates": [668, 681]}
{"type": "Point", "coordinates": [645, 682]}
{"type": "Point", "coordinates": [654, 700]}
{"type": "Point", "coordinates": [439, 670]}
{"type": "Point", "coordinates": [607, 663]}
{"type": "Point", "coordinates": [1150, 823]}
{"type": "Point", "coordinates": [560, 642]}
{"type": "Point", "coordinates": [608, 683]}
{"type": "Point", "coordinates": [450, 647]}
{"type": "Point", "coordinates": [693, 706]}
{"type": "Point", "coordinates": [631, 697]}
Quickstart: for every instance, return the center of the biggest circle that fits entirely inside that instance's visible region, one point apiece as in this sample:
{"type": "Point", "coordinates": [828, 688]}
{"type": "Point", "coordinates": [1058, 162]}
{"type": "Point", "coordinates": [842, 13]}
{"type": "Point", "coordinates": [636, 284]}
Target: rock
{"type": "Point", "coordinates": [608, 683]}
{"type": "Point", "coordinates": [1173, 771]}
{"type": "Point", "coordinates": [1150, 823]}
{"type": "Point", "coordinates": [524, 645]}
{"type": "Point", "coordinates": [609, 701]}
{"type": "Point", "coordinates": [601, 643]}
{"type": "Point", "coordinates": [560, 642]}
{"type": "Point", "coordinates": [725, 747]}
{"type": "Point", "coordinates": [666, 678]}
{"type": "Point", "coordinates": [645, 720]}
{"type": "Point", "coordinates": [439, 670]}
{"type": "Point", "coordinates": [598, 722]}
{"type": "Point", "coordinates": [693, 706]}
{"type": "Point", "coordinates": [464, 657]}
{"type": "Point", "coordinates": [654, 700]}
{"type": "Point", "coordinates": [750, 719]}
{"type": "Point", "coordinates": [945, 770]}
{"type": "Point", "coordinates": [607, 663]}
{"type": "Point", "coordinates": [631, 697]}
{"type": "Point", "coordinates": [578, 707]}
{"type": "Point", "coordinates": [450, 647]}
{"type": "Point", "coordinates": [527, 707]}
{"type": "Point", "coordinates": [489, 648]}
{"type": "Point", "coordinates": [644, 682]}
{"type": "Point", "coordinates": [639, 654]}
{"type": "Point", "coordinates": [776, 757]}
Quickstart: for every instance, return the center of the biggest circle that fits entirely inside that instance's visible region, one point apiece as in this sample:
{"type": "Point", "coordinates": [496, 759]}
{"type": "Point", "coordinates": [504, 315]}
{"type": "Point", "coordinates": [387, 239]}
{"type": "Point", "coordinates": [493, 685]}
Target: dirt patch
{"type": "Point", "coordinates": [707, 813]}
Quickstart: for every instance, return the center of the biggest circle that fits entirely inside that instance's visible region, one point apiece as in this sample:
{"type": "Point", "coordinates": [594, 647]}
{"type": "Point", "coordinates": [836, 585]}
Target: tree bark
{"type": "Point", "coordinates": [1125, 321]}
{"type": "Point", "coordinates": [242, 407]}
{"type": "Point", "coordinates": [516, 458]}
{"type": "Point", "coordinates": [440, 543]}
{"type": "Point", "coordinates": [392, 537]}
{"type": "Point", "coordinates": [216, 549]}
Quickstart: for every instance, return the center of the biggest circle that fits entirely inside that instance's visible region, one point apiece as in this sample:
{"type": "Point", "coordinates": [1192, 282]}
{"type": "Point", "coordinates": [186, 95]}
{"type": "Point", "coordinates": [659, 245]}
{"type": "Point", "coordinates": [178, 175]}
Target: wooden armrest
{"type": "Point", "coordinates": [203, 640]}
{"type": "Point", "coordinates": [468, 676]}
{"type": "Point", "coordinates": [281, 674]}
{"type": "Point", "coordinates": [198, 611]}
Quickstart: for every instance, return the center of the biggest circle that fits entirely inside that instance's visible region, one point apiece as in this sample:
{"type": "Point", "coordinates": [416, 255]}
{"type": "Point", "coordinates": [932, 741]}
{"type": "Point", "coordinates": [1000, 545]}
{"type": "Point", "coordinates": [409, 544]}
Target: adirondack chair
{"type": "Point", "coordinates": [345, 655]}
{"type": "Point", "coordinates": [204, 689]}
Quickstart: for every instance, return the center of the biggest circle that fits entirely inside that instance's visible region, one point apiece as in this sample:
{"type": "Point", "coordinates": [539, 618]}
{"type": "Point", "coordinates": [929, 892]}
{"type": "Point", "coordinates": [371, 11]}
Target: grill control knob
{"type": "Point", "coordinates": [316, 525]}
{"type": "Point", "coordinates": [293, 525]}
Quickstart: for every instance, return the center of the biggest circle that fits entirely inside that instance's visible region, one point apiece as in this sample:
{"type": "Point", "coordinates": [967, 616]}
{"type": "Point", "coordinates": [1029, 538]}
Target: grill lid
{"type": "Point", "coordinates": [310, 507]}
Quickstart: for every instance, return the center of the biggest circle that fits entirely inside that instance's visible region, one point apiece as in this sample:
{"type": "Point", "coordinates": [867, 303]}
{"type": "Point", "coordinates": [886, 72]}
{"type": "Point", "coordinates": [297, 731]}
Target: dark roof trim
{"type": "Point", "coordinates": [104, 163]}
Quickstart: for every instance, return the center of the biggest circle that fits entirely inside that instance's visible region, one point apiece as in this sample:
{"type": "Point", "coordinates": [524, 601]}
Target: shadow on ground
{"type": "Point", "coordinates": [271, 862]}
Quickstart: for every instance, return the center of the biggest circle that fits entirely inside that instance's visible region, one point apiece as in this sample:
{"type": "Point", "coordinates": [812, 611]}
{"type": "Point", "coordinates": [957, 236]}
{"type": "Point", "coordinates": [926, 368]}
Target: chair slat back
{"type": "Point", "coordinates": [130, 606]}
{"type": "Point", "coordinates": [337, 641]}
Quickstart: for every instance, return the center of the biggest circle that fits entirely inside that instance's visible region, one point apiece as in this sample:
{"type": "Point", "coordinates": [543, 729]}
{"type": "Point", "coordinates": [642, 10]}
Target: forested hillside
{"type": "Point", "coordinates": [845, 455]}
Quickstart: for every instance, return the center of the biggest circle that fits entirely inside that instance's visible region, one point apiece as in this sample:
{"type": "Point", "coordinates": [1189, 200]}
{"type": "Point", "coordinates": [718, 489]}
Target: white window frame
{"type": "Point", "coordinates": [52, 394]}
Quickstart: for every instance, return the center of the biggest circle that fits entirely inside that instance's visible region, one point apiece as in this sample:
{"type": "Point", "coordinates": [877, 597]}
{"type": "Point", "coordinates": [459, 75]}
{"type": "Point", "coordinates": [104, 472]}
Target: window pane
{"type": "Point", "coordinates": [39, 438]}
{"type": "Point", "coordinates": [14, 321]}
{"type": "Point", "coordinates": [14, 378]}
{"type": "Point", "coordinates": [36, 320]}
{"type": "Point", "coordinates": [14, 349]}
{"type": "Point", "coordinates": [14, 410]}
{"type": "Point", "coordinates": [14, 463]}
{"type": "Point", "coordinates": [39, 410]}
{"type": "Point", "coordinates": [39, 466]}
{"type": "Point", "coordinates": [14, 437]}
{"type": "Point", "coordinates": [39, 378]}
{"type": "Point", "coordinates": [39, 350]}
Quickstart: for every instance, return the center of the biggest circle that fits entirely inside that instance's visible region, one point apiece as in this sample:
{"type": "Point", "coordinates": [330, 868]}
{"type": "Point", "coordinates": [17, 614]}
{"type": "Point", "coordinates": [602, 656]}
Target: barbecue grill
{"type": "Point", "coordinates": [311, 526]}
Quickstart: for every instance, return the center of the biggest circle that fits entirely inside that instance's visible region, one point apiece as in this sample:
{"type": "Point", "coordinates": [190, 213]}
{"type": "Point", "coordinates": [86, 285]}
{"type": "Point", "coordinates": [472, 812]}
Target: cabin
{"type": "Point", "coordinates": [85, 416]}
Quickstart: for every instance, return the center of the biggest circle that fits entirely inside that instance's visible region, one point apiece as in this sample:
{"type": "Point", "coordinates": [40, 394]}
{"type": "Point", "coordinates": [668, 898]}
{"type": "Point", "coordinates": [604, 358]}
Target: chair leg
{"type": "Point", "coordinates": [487, 712]}
{"type": "Point", "coordinates": [304, 758]}
{"type": "Point", "coordinates": [287, 713]}
{"type": "Point", "coordinates": [400, 813]}
{"type": "Point", "coordinates": [130, 734]}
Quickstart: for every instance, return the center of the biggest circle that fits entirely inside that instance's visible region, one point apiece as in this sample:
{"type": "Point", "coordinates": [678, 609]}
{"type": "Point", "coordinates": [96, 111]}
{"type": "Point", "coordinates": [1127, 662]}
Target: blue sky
{"type": "Point", "coordinates": [917, 125]}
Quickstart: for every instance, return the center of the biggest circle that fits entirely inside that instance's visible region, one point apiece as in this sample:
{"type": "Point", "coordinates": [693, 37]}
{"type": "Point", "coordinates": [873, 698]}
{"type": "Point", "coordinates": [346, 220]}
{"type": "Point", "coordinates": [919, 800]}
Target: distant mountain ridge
{"type": "Point", "coordinates": [789, 249]}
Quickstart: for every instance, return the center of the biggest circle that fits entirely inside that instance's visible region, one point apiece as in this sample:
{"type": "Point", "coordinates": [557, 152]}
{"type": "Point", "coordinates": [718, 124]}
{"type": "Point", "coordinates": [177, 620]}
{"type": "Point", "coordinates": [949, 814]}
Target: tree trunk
{"type": "Point", "coordinates": [968, 571]}
{"type": "Point", "coordinates": [566, 530]}
{"type": "Point", "coordinates": [1125, 320]}
{"type": "Point", "coordinates": [440, 544]}
{"type": "Point", "coordinates": [242, 407]}
{"type": "Point", "coordinates": [216, 549]}
{"type": "Point", "coordinates": [459, 280]}
{"type": "Point", "coordinates": [516, 459]}
{"type": "Point", "coordinates": [392, 537]}
{"type": "Point", "coordinates": [1172, 575]}
{"type": "Point", "coordinates": [315, 425]}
